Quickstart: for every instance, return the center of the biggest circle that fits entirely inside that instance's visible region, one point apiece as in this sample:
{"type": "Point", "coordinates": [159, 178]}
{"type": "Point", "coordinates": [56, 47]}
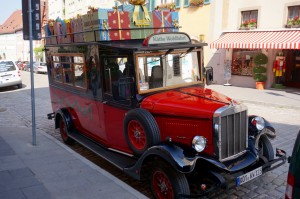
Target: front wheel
{"type": "Point", "coordinates": [64, 132]}
{"type": "Point", "coordinates": [265, 148]}
{"type": "Point", "coordinates": [141, 130]}
{"type": "Point", "coordinates": [167, 183]}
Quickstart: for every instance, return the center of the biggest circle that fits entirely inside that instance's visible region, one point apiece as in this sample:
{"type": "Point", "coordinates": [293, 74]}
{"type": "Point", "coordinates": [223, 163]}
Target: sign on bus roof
{"type": "Point", "coordinates": [168, 38]}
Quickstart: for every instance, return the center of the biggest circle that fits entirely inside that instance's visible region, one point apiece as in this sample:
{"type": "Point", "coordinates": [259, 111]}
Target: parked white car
{"type": "Point", "coordinates": [9, 74]}
{"type": "Point", "coordinates": [40, 67]}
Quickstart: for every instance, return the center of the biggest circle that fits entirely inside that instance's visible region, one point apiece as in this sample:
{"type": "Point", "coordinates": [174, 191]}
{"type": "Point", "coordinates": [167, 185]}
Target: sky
{"type": "Point", "coordinates": [8, 7]}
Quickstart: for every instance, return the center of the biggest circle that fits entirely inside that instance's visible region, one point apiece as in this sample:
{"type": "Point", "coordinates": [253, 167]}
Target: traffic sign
{"type": "Point", "coordinates": [35, 19]}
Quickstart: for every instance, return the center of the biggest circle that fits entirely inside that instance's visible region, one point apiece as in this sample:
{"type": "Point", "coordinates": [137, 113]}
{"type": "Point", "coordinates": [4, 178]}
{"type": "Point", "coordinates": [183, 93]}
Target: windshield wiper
{"type": "Point", "coordinates": [187, 52]}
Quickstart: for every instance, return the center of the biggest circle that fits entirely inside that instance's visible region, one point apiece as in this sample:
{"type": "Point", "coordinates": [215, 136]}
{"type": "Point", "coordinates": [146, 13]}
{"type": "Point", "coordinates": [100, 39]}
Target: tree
{"type": "Point", "coordinates": [38, 52]}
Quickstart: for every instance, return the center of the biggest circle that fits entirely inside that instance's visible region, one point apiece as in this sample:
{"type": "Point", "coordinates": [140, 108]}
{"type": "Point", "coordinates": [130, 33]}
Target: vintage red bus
{"type": "Point", "coordinates": [143, 106]}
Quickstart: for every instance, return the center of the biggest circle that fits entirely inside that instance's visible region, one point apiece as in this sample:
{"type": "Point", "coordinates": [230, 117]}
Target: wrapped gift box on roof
{"type": "Point", "coordinates": [58, 30]}
{"type": "Point", "coordinates": [96, 25]}
{"type": "Point", "coordinates": [88, 25]}
{"type": "Point", "coordinates": [49, 32]}
{"type": "Point", "coordinates": [119, 24]}
{"type": "Point", "coordinates": [77, 25]}
{"type": "Point", "coordinates": [162, 21]}
{"type": "Point", "coordinates": [66, 31]}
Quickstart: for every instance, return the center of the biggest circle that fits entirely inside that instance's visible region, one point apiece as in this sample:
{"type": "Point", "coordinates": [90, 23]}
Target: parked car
{"type": "Point", "coordinates": [9, 74]}
{"type": "Point", "coordinates": [293, 179]}
{"type": "Point", "coordinates": [27, 67]}
{"type": "Point", "coordinates": [40, 67]}
{"type": "Point", "coordinates": [22, 64]}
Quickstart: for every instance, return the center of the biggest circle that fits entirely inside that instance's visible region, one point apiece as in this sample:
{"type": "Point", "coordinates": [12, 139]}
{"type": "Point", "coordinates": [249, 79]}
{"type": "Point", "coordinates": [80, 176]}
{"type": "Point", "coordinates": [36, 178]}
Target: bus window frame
{"type": "Point", "coordinates": [155, 54]}
{"type": "Point", "coordinates": [71, 68]}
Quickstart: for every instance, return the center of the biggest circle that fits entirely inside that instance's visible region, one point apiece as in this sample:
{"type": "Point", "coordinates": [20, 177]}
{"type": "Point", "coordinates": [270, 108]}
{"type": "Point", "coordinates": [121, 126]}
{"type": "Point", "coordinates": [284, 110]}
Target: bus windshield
{"type": "Point", "coordinates": [159, 71]}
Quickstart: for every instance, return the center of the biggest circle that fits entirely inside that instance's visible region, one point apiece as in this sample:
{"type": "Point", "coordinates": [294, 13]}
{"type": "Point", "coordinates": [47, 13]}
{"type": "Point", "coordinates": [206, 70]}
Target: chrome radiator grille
{"type": "Point", "coordinates": [232, 134]}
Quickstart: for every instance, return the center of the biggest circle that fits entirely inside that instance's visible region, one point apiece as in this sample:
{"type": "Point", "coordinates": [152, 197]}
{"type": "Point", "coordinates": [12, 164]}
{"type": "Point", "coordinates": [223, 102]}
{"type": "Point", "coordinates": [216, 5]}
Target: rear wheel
{"type": "Point", "coordinates": [167, 183]}
{"type": "Point", "coordinates": [64, 132]}
{"type": "Point", "coordinates": [20, 86]}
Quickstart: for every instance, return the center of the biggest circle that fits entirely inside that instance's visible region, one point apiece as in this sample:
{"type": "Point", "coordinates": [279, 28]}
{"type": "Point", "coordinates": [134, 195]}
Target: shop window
{"type": "Point", "coordinates": [293, 15]}
{"type": "Point", "coordinates": [249, 19]}
{"type": "Point", "coordinates": [242, 62]}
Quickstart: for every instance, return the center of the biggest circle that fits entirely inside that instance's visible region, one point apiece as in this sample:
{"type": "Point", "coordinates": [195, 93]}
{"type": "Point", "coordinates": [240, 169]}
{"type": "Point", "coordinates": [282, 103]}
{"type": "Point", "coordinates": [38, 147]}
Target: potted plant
{"type": "Point", "coordinates": [252, 24]}
{"type": "Point", "coordinates": [260, 60]}
{"type": "Point", "coordinates": [196, 2]}
{"type": "Point", "coordinates": [244, 26]}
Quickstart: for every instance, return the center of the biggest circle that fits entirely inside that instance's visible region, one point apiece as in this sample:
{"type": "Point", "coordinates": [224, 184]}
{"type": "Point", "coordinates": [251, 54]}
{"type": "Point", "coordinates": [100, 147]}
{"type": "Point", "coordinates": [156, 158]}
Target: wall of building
{"type": "Point", "coordinates": [56, 9]}
{"type": "Point", "coordinates": [272, 15]}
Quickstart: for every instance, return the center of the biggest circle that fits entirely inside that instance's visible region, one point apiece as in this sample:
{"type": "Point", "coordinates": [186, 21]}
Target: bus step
{"type": "Point", "coordinates": [121, 161]}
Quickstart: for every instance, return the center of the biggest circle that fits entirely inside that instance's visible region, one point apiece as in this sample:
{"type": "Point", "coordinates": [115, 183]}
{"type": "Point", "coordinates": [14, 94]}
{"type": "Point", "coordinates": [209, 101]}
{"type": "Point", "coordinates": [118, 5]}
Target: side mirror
{"type": "Point", "coordinates": [209, 75]}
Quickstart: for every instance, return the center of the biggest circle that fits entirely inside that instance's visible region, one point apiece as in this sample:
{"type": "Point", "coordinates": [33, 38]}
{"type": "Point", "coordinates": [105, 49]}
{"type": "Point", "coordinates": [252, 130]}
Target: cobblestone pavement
{"type": "Point", "coordinates": [15, 110]}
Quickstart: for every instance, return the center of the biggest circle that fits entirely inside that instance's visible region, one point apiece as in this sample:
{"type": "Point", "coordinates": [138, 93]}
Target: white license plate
{"type": "Point", "coordinates": [248, 176]}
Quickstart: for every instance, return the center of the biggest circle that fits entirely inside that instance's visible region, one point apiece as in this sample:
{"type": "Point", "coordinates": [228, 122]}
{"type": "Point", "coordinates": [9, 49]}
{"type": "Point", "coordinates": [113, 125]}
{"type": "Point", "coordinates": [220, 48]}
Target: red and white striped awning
{"type": "Point", "coordinates": [285, 39]}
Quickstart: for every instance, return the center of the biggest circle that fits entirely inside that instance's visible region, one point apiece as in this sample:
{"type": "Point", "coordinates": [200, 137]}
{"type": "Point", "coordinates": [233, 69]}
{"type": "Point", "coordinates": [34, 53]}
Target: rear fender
{"type": "Point", "coordinates": [65, 115]}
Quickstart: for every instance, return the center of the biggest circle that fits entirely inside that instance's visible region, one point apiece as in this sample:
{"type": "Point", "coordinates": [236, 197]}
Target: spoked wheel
{"type": "Point", "coordinates": [64, 132]}
{"type": "Point", "coordinates": [265, 148]}
{"type": "Point", "coordinates": [136, 134]}
{"type": "Point", "coordinates": [167, 183]}
{"type": "Point", "coordinates": [141, 130]}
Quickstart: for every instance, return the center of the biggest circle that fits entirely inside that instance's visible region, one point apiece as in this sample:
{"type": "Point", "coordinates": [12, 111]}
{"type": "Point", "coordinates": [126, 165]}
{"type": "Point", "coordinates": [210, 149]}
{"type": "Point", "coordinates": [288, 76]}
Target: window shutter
{"type": "Point", "coordinates": [206, 1]}
{"type": "Point", "coordinates": [177, 5]}
{"type": "Point", "coordinates": [151, 5]}
{"type": "Point", "coordinates": [186, 3]}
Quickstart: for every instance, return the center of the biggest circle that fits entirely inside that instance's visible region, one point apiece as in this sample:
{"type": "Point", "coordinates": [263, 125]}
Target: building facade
{"type": "Point", "coordinates": [246, 28]}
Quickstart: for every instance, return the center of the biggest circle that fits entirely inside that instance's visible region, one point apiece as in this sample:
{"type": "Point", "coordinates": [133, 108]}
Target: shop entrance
{"type": "Point", "coordinates": [292, 74]}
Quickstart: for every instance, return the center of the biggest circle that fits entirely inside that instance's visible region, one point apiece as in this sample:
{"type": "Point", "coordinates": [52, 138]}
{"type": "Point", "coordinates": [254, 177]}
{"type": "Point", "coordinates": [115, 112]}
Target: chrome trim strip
{"type": "Point", "coordinates": [115, 150]}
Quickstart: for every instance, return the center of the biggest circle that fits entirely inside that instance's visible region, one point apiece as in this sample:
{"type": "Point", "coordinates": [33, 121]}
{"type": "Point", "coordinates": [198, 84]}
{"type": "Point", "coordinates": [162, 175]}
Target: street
{"type": "Point", "coordinates": [15, 111]}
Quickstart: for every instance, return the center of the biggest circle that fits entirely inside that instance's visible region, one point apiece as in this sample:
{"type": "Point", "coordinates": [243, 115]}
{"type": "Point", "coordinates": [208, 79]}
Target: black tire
{"type": "Point", "coordinates": [63, 129]}
{"type": "Point", "coordinates": [166, 182]}
{"type": "Point", "coordinates": [20, 85]}
{"type": "Point", "coordinates": [141, 130]}
{"type": "Point", "coordinates": [265, 148]}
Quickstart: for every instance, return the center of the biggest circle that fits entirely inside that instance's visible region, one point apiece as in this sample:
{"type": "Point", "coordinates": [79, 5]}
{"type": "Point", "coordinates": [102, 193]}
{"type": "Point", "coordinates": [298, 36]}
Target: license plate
{"type": "Point", "coordinates": [248, 176]}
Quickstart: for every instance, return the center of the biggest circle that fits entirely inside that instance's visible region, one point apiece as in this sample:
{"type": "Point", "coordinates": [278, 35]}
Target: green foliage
{"type": "Point", "coordinates": [259, 77]}
{"type": "Point", "coordinates": [260, 59]}
{"type": "Point", "coordinates": [38, 52]}
{"type": "Point", "coordinates": [259, 69]}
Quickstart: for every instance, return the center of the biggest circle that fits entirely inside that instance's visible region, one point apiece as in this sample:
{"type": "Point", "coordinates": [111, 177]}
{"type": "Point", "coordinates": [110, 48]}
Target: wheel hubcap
{"type": "Point", "coordinates": [162, 185]}
{"type": "Point", "coordinates": [136, 134]}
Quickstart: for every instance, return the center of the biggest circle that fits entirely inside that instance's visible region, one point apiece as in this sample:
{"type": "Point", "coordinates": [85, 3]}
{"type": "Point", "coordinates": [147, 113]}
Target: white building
{"type": "Point", "coordinates": [66, 9]}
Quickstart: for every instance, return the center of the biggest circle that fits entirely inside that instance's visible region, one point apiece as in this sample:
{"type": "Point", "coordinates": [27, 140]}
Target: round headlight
{"type": "Point", "coordinates": [259, 123]}
{"type": "Point", "coordinates": [199, 143]}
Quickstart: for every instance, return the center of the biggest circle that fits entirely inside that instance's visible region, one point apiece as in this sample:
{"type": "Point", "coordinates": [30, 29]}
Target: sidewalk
{"type": "Point", "coordinates": [51, 170]}
{"type": "Point", "coordinates": [285, 98]}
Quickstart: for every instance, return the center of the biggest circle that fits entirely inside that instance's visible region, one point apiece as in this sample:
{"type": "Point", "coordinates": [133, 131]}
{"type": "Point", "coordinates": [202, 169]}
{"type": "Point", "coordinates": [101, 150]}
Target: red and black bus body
{"type": "Point", "coordinates": [105, 96]}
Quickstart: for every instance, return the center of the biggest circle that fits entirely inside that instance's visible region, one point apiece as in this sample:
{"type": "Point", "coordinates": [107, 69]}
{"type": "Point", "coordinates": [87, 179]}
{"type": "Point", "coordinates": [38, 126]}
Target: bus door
{"type": "Point", "coordinates": [117, 91]}
{"type": "Point", "coordinates": [94, 124]}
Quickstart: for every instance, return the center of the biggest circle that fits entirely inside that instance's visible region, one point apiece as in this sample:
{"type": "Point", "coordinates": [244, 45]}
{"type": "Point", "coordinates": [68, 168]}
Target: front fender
{"type": "Point", "coordinates": [269, 130]}
{"type": "Point", "coordinates": [174, 155]}
{"type": "Point", "coordinates": [170, 153]}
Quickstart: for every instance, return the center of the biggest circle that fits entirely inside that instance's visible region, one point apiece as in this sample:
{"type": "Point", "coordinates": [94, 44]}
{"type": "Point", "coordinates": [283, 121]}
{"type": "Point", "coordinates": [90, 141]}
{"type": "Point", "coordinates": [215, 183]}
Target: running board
{"type": "Point", "coordinates": [121, 161]}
